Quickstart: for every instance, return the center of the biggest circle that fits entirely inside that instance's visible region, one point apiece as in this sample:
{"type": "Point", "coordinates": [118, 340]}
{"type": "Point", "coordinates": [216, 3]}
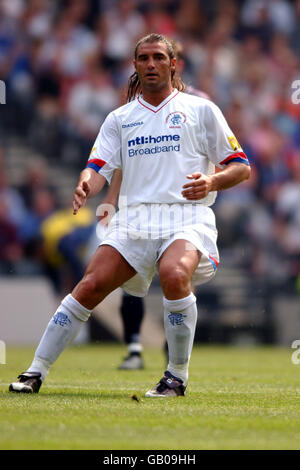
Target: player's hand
{"type": "Point", "coordinates": [198, 188]}
{"type": "Point", "coordinates": [80, 196]}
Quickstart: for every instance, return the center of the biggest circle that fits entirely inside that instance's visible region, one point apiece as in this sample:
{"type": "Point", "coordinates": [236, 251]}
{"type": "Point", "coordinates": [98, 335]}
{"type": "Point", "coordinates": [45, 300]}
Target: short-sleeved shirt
{"type": "Point", "coordinates": [157, 147]}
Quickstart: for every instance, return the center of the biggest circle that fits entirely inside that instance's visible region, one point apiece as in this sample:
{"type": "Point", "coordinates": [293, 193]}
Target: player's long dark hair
{"type": "Point", "coordinates": [134, 86]}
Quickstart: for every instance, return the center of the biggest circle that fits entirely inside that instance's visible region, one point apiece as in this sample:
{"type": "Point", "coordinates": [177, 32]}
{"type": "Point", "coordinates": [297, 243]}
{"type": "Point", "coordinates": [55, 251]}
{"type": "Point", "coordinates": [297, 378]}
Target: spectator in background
{"type": "Point", "coordinates": [277, 13]}
{"type": "Point", "coordinates": [287, 224]}
{"type": "Point", "coordinates": [64, 238]}
{"type": "Point", "coordinates": [14, 206]}
{"type": "Point", "coordinates": [190, 19]}
{"type": "Point", "coordinates": [180, 65]}
{"type": "Point", "coordinates": [44, 132]}
{"type": "Point", "coordinates": [268, 146]}
{"type": "Point", "coordinates": [37, 18]}
{"type": "Point", "coordinates": [69, 43]}
{"type": "Point", "coordinates": [90, 100]}
{"type": "Point", "coordinates": [120, 24]}
{"type": "Point", "coordinates": [42, 206]}
{"type": "Point", "coordinates": [11, 250]}
{"type": "Point", "coordinates": [295, 33]}
{"type": "Point", "coordinates": [36, 178]}
{"type": "Point", "coordinates": [158, 19]}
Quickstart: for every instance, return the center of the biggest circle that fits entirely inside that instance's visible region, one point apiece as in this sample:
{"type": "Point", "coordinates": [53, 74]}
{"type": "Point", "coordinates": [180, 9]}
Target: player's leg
{"type": "Point", "coordinates": [176, 267]}
{"type": "Point", "coordinates": [132, 313]}
{"type": "Point", "coordinates": [106, 271]}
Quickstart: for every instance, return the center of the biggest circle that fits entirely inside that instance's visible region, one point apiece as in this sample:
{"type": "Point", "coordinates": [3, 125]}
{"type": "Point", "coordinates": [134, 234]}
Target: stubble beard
{"type": "Point", "coordinates": [155, 86]}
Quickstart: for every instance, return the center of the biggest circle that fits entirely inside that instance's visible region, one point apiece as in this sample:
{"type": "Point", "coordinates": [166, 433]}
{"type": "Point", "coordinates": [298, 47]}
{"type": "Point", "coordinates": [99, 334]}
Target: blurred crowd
{"type": "Point", "coordinates": [66, 65]}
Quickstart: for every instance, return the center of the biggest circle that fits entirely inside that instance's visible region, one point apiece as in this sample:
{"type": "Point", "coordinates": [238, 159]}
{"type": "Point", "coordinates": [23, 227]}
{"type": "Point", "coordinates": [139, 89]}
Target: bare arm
{"type": "Point", "coordinates": [90, 183]}
{"type": "Point", "coordinates": [107, 211]}
{"type": "Point", "coordinates": [201, 185]}
{"type": "Point", "coordinates": [114, 189]}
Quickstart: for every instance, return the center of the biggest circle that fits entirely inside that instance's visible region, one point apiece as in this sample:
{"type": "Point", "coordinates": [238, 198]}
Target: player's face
{"type": "Point", "coordinates": [154, 66]}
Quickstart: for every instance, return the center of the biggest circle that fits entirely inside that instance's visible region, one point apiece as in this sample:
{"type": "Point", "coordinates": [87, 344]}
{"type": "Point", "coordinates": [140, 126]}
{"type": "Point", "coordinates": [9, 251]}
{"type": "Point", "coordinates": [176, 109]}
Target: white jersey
{"type": "Point", "coordinates": [157, 147]}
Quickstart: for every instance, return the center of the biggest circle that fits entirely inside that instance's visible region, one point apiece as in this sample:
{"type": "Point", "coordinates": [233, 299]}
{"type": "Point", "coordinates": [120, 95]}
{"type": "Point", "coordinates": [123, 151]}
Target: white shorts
{"type": "Point", "coordinates": [143, 254]}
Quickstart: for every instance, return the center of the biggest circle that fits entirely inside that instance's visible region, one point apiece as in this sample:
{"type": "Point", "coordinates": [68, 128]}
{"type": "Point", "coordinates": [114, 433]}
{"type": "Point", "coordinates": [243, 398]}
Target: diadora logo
{"type": "Point", "coordinates": [132, 124]}
{"type": "Point", "coordinates": [176, 318]}
{"type": "Point", "coordinates": [175, 120]}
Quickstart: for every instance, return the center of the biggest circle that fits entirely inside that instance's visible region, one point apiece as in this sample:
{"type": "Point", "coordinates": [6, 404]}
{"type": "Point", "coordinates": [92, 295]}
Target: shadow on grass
{"type": "Point", "coordinates": [82, 395]}
{"type": "Point", "coordinates": [85, 395]}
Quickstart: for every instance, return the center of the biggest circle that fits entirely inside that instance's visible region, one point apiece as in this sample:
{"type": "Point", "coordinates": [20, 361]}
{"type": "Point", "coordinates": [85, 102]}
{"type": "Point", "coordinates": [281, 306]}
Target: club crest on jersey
{"type": "Point", "coordinates": [175, 120]}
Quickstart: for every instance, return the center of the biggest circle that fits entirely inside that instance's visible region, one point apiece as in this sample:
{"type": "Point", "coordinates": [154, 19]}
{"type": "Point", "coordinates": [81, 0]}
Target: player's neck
{"type": "Point", "coordinates": [155, 97]}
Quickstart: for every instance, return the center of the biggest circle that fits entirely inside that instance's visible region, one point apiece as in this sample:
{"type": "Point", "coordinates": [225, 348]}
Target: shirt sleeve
{"type": "Point", "coordinates": [221, 144]}
{"type": "Point", "coordinates": [107, 171]}
{"type": "Point", "coordinates": [105, 155]}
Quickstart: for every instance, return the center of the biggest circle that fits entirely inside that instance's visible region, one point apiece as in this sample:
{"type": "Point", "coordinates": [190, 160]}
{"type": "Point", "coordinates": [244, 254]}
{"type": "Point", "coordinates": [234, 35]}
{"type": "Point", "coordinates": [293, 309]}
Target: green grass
{"type": "Point", "coordinates": [237, 399]}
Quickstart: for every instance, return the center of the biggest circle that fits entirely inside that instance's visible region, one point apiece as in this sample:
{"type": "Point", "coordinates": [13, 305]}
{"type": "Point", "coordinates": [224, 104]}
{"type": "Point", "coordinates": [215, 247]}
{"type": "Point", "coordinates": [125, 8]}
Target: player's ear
{"type": "Point", "coordinates": [173, 63]}
{"type": "Point", "coordinates": [134, 64]}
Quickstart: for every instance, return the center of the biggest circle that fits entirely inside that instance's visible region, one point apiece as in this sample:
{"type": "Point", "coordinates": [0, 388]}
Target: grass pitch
{"type": "Point", "coordinates": [237, 399]}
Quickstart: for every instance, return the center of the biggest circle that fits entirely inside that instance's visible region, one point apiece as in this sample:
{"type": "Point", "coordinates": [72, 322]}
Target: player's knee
{"type": "Point", "coordinates": [91, 290]}
{"type": "Point", "coordinates": [174, 279]}
{"type": "Point", "coordinates": [90, 284]}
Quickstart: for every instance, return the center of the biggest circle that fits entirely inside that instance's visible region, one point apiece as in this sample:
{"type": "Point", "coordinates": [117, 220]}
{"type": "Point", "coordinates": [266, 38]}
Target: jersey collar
{"type": "Point", "coordinates": [156, 109]}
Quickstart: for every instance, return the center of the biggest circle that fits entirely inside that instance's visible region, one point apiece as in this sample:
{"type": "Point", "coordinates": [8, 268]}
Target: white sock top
{"type": "Point", "coordinates": [179, 304]}
{"type": "Point", "coordinates": [74, 307]}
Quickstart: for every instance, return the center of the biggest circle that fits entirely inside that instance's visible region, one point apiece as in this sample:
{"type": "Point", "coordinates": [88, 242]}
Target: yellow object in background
{"type": "Point", "coordinates": [60, 224]}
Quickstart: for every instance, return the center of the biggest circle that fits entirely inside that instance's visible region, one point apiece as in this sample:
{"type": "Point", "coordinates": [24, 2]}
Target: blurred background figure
{"type": "Point", "coordinates": [65, 65]}
{"type": "Point", "coordinates": [88, 104]}
{"type": "Point", "coordinates": [11, 250]}
{"type": "Point", "coordinates": [64, 240]}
